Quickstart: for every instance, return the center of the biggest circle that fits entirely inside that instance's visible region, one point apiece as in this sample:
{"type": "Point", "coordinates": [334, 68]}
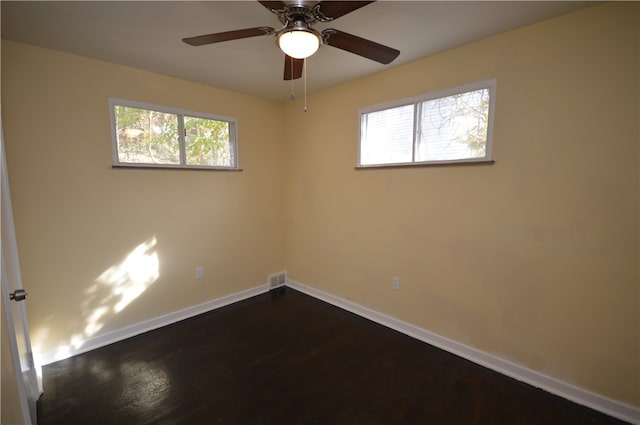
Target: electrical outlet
{"type": "Point", "coordinates": [395, 283]}
{"type": "Point", "coordinates": [199, 272]}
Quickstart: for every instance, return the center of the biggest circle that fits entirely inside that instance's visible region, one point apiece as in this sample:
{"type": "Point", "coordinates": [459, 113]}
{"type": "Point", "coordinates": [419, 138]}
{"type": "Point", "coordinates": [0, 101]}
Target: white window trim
{"type": "Point", "coordinates": [483, 84]}
{"type": "Point", "coordinates": [233, 134]}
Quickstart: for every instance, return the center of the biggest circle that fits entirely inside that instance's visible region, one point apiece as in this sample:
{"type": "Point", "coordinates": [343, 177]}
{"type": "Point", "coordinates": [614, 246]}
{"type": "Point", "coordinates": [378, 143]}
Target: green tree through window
{"type": "Point", "coordinates": [207, 142]}
{"type": "Point", "coordinates": [146, 136]}
{"type": "Point", "coordinates": [153, 136]}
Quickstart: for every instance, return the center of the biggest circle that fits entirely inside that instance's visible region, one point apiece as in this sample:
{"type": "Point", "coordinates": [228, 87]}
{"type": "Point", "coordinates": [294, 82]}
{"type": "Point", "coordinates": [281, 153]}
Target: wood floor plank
{"type": "Point", "coordinates": [287, 358]}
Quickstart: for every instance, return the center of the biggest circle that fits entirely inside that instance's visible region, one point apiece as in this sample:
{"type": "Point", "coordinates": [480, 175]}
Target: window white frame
{"type": "Point", "coordinates": [181, 114]}
{"type": "Point", "coordinates": [489, 84]}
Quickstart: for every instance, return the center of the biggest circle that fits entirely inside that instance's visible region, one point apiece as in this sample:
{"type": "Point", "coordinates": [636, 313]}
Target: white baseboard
{"type": "Point", "coordinates": [578, 395]}
{"type": "Point", "coordinates": [146, 326]}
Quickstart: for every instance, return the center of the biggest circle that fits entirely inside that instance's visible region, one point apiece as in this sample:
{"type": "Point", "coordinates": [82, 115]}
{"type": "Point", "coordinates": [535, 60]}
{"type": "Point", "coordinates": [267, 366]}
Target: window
{"type": "Point", "coordinates": [156, 136]}
{"type": "Point", "coordinates": [448, 126]}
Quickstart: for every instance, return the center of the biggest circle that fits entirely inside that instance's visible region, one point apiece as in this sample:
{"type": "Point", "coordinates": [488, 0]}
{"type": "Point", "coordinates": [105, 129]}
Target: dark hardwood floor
{"type": "Point", "coordinates": [287, 358]}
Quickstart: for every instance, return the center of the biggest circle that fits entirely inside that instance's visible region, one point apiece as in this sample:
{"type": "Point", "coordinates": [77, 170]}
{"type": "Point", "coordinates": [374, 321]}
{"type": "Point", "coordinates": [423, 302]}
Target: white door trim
{"type": "Point", "coordinates": [28, 394]}
{"type": "Point", "coordinates": [15, 357]}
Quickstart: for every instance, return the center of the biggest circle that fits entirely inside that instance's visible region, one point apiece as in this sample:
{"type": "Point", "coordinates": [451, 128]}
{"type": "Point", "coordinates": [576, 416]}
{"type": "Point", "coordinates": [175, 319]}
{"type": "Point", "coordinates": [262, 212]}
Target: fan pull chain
{"type": "Point", "coordinates": [305, 84]}
{"type": "Point", "coordinates": [292, 96]}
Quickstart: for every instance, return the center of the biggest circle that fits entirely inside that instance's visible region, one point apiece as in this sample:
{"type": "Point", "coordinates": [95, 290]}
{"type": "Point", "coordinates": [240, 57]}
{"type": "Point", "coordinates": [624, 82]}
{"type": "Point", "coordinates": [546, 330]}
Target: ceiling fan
{"type": "Point", "coordinates": [298, 40]}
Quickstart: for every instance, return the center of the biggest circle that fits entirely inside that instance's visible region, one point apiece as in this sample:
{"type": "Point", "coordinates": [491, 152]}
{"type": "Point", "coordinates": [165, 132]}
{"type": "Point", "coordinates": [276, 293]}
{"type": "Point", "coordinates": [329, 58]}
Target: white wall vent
{"type": "Point", "coordinates": [277, 279]}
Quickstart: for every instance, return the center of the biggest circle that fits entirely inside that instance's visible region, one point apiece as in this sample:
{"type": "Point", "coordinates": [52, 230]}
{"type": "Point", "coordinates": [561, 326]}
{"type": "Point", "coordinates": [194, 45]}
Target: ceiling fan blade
{"type": "Point", "coordinates": [228, 35]}
{"type": "Point", "coordinates": [360, 46]}
{"type": "Point", "coordinates": [292, 68]}
{"type": "Point", "coordinates": [273, 5]}
{"type": "Point", "coordinates": [330, 10]}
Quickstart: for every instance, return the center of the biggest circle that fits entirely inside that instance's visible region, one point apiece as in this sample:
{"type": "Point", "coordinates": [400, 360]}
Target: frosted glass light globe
{"type": "Point", "coordinates": [299, 44]}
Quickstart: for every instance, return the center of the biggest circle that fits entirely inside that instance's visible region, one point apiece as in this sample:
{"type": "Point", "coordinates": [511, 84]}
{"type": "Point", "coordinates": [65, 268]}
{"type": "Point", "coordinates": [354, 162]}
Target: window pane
{"type": "Point", "coordinates": [387, 136]}
{"type": "Point", "coordinates": [453, 127]}
{"type": "Point", "coordinates": [146, 137]}
{"type": "Point", "coordinates": [207, 142]}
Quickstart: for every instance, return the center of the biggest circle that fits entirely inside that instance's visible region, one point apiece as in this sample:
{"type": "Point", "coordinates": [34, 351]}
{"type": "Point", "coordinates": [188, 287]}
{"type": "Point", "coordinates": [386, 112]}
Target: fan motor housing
{"type": "Point", "coordinates": [296, 13]}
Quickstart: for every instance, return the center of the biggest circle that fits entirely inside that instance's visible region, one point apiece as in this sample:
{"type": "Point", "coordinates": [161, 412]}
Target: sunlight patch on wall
{"type": "Point", "coordinates": [119, 285]}
{"type": "Point", "coordinates": [113, 290]}
{"type": "Point", "coordinates": [133, 276]}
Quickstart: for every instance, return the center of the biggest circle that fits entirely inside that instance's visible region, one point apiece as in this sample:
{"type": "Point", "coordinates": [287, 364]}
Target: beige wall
{"type": "Point", "coordinates": [533, 259]}
{"type": "Point", "coordinates": [78, 220]}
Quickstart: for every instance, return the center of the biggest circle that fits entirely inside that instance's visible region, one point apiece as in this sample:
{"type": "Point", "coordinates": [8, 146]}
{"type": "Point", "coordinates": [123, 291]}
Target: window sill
{"type": "Point", "coordinates": [170, 167]}
{"type": "Point", "coordinates": [425, 165]}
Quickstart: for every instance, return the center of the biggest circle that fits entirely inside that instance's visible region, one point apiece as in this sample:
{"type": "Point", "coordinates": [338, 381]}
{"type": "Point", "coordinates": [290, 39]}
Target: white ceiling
{"type": "Point", "coordinates": [147, 35]}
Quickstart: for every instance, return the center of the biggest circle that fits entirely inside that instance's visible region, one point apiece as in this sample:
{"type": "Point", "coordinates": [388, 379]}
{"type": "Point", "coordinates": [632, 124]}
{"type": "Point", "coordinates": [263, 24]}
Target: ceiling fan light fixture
{"type": "Point", "coordinates": [299, 42]}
